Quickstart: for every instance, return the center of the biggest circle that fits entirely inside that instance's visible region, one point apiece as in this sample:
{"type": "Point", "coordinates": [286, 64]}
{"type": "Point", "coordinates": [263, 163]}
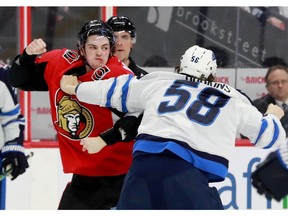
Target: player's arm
{"type": "Point", "coordinates": [113, 92]}
{"type": "Point", "coordinates": [264, 131]}
{"type": "Point", "coordinates": [110, 93]}
{"type": "Point", "coordinates": [124, 130]}
{"type": "Point", "coordinates": [25, 74]}
{"type": "Point", "coordinates": [13, 125]}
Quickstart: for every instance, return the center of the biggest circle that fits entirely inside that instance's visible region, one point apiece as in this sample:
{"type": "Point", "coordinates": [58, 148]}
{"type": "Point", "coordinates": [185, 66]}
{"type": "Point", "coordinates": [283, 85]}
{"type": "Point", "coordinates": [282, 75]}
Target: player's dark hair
{"type": "Point", "coordinates": [95, 27]}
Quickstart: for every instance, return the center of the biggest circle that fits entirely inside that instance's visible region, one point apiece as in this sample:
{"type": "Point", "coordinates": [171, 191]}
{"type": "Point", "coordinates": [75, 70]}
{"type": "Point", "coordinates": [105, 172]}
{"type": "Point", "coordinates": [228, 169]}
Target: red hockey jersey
{"type": "Point", "coordinates": [74, 120]}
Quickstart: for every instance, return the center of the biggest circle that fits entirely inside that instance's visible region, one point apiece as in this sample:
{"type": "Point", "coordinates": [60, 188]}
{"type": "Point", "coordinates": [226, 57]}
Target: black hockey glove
{"type": "Point", "coordinates": [13, 158]}
{"type": "Point", "coordinates": [124, 130]}
{"type": "Point", "coordinates": [128, 127]}
{"type": "Point", "coordinates": [271, 178]}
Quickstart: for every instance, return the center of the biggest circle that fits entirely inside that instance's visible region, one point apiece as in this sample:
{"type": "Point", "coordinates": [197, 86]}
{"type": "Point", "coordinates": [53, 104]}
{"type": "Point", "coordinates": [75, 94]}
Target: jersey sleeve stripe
{"type": "Point", "coordinates": [14, 111]}
{"type": "Point", "coordinates": [110, 93]}
{"type": "Point", "coordinates": [125, 89]}
{"type": "Point", "coordinates": [264, 125]}
{"type": "Point", "coordinates": [275, 135]}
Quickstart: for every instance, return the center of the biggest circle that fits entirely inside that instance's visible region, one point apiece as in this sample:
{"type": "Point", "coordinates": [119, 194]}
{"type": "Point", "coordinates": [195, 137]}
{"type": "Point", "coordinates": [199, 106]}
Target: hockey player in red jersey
{"type": "Point", "coordinates": [97, 179]}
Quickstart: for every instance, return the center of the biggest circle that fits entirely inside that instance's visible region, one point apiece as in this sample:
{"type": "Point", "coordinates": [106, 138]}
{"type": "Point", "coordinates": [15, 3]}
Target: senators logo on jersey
{"type": "Point", "coordinates": [70, 56]}
{"type": "Point", "coordinates": [73, 120]}
{"type": "Point", "coordinates": [100, 72]}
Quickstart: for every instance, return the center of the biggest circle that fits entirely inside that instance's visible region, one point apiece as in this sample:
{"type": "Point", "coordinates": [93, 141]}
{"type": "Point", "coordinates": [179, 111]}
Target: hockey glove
{"type": "Point", "coordinates": [14, 159]}
{"type": "Point", "coordinates": [271, 178]}
{"type": "Point", "coordinates": [124, 130]}
{"type": "Point", "coordinates": [128, 127]}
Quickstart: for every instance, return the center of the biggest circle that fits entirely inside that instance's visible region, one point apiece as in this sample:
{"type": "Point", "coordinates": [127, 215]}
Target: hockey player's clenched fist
{"type": "Point", "coordinates": [36, 47]}
{"type": "Point", "coordinates": [68, 84]}
{"type": "Point", "coordinates": [93, 144]}
{"type": "Point", "coordinates": [275, 110]}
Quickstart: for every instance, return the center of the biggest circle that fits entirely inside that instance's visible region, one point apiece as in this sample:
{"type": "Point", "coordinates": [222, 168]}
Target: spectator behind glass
{"type": "Point", "coordinates": [277, 86]}
{"type": "Point", "coordinates": [276, 16]}
{"type": "Point", "coordinates": [125, 36]}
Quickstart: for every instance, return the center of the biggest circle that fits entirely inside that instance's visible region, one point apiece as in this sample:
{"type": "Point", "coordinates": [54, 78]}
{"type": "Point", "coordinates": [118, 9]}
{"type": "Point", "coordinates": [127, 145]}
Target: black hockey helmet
{"type": "Point", "coordinates": [122, 23]}
{"type": "Point", "coordinates": [95, 27]}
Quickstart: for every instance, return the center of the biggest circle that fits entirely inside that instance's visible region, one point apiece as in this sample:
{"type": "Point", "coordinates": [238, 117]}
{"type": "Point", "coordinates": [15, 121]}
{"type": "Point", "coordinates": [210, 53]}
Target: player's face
{"type": "Point", "coordinates": [123, 45]}
{"type": "Point", "coordinates": [277, 84]}
{"type": "Point", "coordinates": [97, 51]}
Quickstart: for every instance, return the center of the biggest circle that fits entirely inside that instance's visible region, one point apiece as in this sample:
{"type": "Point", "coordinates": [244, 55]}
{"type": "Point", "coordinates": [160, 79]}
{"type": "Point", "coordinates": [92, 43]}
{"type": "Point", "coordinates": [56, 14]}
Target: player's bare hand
{"type": "Point", "coordinates": [36, 47]}
{"type": "Point", "coordinates": [93, 144]}
{"type": "Point", "coordinates": [68, 83]}
{"type": "Point", "coordinates": [275, 110]}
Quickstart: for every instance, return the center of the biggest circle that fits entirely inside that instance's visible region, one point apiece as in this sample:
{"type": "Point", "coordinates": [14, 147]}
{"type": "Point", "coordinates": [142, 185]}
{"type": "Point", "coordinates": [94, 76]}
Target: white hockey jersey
{"type": "Point", "coordinates": [10, 116]}
{"type": "Point", "coordinates": [198, 121]}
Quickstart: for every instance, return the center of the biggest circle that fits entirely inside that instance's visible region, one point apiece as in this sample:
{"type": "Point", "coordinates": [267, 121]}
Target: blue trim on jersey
{"type": "Point", "coordinates": [125, 89]}
{"type": "Point", "coordinates": [76, 89]}
{"type": "Point", "coordinates": [201, 154]}
{"type": "Point", "coordinates": [216, 171]}
{"type": "Point", "coordinates": [263, 127]}
{"type": "Point", "coordinates": [15, 111]}
{"type": "Point", "coordinates": [275, 135]}
{"type": "Point", "coordinates": [281, 160]}
{"type": "Point", "coordinates": [3, 194]}
{"type": "Point", "coordinates": [110, 93]}
{"type": "Point", "coordinates": [10, 122]}
{"type": "Point", "coordinates": [2, 190]}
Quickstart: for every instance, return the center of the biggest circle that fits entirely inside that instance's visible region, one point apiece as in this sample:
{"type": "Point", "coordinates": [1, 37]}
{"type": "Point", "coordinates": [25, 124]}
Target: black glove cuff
{"type": "Point", "coordinates": [111, 136]}
{"type": "Point", "coordinates": [129, 126]}
{"type": "Point", "coordinates": [26, 59]}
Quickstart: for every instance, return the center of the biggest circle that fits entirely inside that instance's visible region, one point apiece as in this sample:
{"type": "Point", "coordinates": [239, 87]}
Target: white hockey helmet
{"type": "Point", "coordinates": [198, 62]}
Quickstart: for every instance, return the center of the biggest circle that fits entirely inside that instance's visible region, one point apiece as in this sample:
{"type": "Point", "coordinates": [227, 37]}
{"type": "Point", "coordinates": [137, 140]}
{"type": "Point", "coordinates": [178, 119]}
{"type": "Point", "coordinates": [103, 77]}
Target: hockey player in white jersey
{"type": "Point", "coordinates": [187, 132]}
{"type": "Point", "coordinates": [13, 161]}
